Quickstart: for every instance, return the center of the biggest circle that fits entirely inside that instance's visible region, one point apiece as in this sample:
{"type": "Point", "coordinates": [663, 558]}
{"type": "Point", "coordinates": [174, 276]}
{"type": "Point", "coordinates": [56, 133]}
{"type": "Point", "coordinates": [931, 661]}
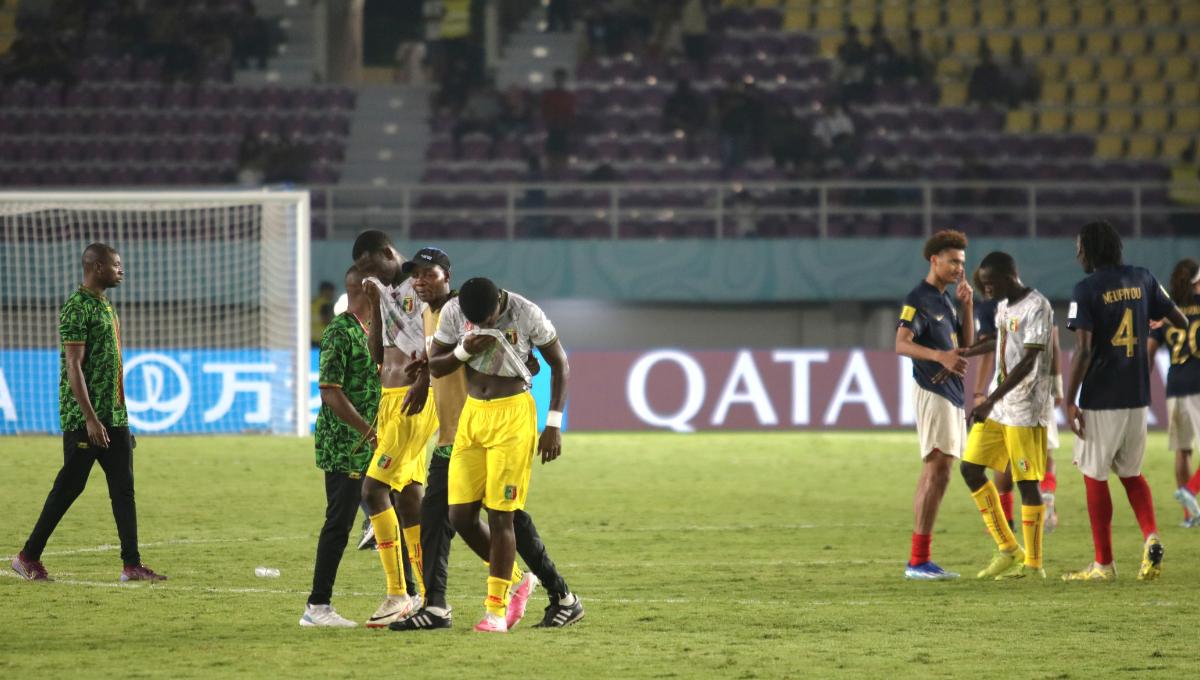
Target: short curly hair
{"type": "Point", "coordinates": [945, 239]}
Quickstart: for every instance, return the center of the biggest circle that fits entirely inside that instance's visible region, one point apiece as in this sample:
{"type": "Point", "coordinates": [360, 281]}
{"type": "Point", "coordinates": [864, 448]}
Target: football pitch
{"type": "Point", "coordinates": [708, 555]}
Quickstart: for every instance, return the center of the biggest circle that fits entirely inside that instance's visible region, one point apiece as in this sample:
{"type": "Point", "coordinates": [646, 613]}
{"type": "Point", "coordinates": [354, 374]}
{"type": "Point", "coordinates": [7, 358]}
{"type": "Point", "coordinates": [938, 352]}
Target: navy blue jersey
{"type": "Point", "coordinates": [933, 319]}
{"type": "Point", "coordinates": [985, 319]}
{"type": "Point", "coordinates": [1183, 378]}
{"type": "Point", "coordinates": [1116, 305]}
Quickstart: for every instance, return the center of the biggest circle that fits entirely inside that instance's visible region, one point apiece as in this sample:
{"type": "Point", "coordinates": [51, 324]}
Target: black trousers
{"type": "Point", "coordinates": [78, 456]}
{"type": "Point", "coordinates": [437, 532]}
{"type": "Point", "coordinates": [343, 497]}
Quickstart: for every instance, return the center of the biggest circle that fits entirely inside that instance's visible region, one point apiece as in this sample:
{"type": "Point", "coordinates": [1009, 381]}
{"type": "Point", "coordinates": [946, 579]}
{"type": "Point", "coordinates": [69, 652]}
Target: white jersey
{"type": "Point", "coordinates": [400, 309]}
{"type": "Point", "coordinates": [1026, 324]}
{"type": "Point", "coordinates": [521, 327]}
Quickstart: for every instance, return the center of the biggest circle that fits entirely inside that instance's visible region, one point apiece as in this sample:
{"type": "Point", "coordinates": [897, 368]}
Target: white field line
{"type": "Point", "coordinates": [106, 547]}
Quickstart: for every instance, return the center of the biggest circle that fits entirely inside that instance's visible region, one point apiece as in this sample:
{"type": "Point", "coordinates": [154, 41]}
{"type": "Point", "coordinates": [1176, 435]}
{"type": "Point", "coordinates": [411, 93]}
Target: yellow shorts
{"type": "Point", "coordinates": [493, 452]}
{"type": "Point", "coordinates": [994, 445]}
{"type": "Point", "coordinates": [399, 458]}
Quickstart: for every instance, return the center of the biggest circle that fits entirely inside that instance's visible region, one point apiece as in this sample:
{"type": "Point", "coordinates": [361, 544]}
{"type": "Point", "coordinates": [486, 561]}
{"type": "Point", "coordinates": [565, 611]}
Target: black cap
{"type": "Point", "coordinates": [426, 257]}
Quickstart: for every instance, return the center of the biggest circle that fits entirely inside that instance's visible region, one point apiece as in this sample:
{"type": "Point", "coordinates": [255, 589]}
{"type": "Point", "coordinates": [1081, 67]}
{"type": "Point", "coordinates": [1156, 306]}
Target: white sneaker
{"type": "Point", "coordinates": [1188, 501]}
{"type": "Point", "coordinates": [392, 609]}
{"type": "Point", "coordinates": [1051, 522]}
{"type": "Point", "coordinates": [368, 538]}
{"type": "Point", "coordinates": [323, 616]}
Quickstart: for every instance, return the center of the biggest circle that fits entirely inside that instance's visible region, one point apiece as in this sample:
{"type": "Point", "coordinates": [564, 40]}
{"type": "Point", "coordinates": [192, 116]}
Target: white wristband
{"type": "Point", "coordinates": [554, 419]}
{"type": "Point", "coordinates": [461, 353]}
{"type": "Point", "coordinates": [1058, 387]}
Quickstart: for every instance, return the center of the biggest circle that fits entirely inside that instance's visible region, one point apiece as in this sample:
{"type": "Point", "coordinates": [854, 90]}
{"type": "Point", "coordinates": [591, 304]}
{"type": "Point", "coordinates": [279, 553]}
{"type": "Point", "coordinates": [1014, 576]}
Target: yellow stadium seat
{"type": "Point", "coordinates": [1112, 68]}
{"type": "Point", "coordinates": [993, 15]}
{"type": "Point", "coordinates": [1001, 44]}
{"type": "Point", "coordinates": [1179, 67]}
{"type": "Point", "coordinates": [1186, 120]}
{"type": "Point", "coordinates": [829, 45]}
{"type": "Point", "coordinates": [1052, 120]}
{"type": "Point", "coordinates": [766, 4]}
{"type": "Point", "coordinates": [862, 16]}
{"type": "Point", "coordinates": [926, 17]}
{"type": "Point", "coordinates": [1059, 14]}
{"type": "Point", "coordinates": [1167, 43]}
{"type": "Point", "coordinates": [1054, 93]}
{"type": "Point", "coordinates": [1085, 94]}
{"type": "Point", "coordinates": [1189, 14]}
{"type": "Point", "coordinates": [1158, 14]}
{"type": "Point", "coordinates": [1173, 145]}
{"type": "Point", "coordinates": [1033, 44]}
{"type": "Point", "coordinates": [1144, 68]}
{"type": "Point", "coordinates": [1098, 44]}
{"type": "Point", "coordinates": [1065, 43]}
{"type": "Point", "coordinates": [895, 16]}
{"type": "Point", "coordinates": [1143, 146]}
{"type": "Point", "coordinates": [1118, 120]}
{"type": "Point", "coordinates": [1027, 16]}
{"type": "Point", "coordinates": [1155, 120]}
{"type": "Point", "coordinates": [952, 68]}
{"type": "Point", "coordinates": [1131, 43]}
{"type": "Point", "coordinates": [1185, 94]}
{"type": "Point", "coordinates": [960, 15]}
{"type": "Point", "coordinates": [1152, 93]}
{"type": "Point", "coordinates": [799, 19]}
{"type": "Point", "coordinates": [1126, 15]}
{"type": "Point", "coordinates": [1120, 94]}
{"type": "Point", "coordinates": [830, 18]}
{"type": "Point", "coordinates": [1092, 15]}
{"type": "Point", "coordinates": [966, 45]}
{"type": "Point", "coordinates": [954, 93]}
{"type": "Point", "coordinates": [1085, 120]}
{"type": "Point", "coordinates": [1052, 69]}
{"type": "Point", "coordinates": [1019, 121]}
{"type": "Point", "coordinates": [1080, 68]}
{"type": "Point", "coordinates": [1110, 146]}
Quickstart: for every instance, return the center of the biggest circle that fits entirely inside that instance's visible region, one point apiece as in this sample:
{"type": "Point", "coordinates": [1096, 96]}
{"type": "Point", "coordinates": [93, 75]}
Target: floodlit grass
{"type": "Point", "coordinates": [715, 555]}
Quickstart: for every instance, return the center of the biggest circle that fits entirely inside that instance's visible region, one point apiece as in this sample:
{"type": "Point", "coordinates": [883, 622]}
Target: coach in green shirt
{"type": "Point", "coordinates": [92, 412]}
{"type": "Point", "coordinates": [345, 441]}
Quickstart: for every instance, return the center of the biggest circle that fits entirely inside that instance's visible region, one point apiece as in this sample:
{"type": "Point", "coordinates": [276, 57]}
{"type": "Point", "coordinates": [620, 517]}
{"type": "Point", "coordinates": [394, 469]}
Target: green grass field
{"type": "Point", "coordinates": [738, 555]}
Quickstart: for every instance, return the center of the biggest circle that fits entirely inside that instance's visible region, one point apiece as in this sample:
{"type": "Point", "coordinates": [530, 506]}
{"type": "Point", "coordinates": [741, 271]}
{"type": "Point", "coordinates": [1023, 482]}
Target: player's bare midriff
{"type": "Point", "coordinates": [484, 386]}
{"type": "Point", "coordinates": [394, 363]}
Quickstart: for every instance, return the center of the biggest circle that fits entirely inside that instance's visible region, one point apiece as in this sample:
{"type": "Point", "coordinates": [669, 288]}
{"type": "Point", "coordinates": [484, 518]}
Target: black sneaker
{"type": "Point", "coordinates": [423, 620]}
{"type": "Point", "coordinates": [560, 615]}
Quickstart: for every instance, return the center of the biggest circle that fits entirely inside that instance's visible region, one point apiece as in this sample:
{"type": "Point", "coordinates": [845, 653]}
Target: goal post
{"type": "Point", "coordinates": [214, 307]}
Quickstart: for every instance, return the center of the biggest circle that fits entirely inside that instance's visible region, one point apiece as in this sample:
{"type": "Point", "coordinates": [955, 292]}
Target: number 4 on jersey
{"type": "Point", "coordinates": [1124, 336]}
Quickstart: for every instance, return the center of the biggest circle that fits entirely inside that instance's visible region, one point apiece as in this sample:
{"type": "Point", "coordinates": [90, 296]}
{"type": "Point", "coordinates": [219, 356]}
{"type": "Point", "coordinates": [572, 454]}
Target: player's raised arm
{"type": "Point", "coordinates": [966, 311]}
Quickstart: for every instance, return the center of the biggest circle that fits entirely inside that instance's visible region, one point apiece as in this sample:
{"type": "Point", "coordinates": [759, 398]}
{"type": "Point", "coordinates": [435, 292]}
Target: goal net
{"type": "Point", "coordinates": [214, 307]}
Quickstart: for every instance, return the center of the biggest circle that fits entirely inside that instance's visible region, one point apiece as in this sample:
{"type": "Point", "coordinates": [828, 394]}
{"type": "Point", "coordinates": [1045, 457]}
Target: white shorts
{"type": "Point", "coordinates": [1113, 439]}
{"type": "Point", "coordinates": [1183, 421]}
{"type": "Point", "coordinates": [940, 424]}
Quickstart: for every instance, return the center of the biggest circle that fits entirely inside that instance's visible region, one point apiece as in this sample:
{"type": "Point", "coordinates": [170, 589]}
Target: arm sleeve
{"type": "Point", "coordinates": [985, 319]}
{"type": "Point", "coordinates": [335, 354]}
{"type": "Point", "coordinates": [910, 318]}
{"type": "Point", "coordinates": [1160, 302]}
{"type": "Point", "coordinates": [449, 330]}
{"type": "Point", "coordinates": [1159, 335]}
{"type": "Point", "coordinates": [541, 331]}
{"type": "Point", "coordinates": [72, 324]}
{"type": "Point", "coordinates": [1037, 327]}
{"type": "Point", "coordinates": [1079, 316]}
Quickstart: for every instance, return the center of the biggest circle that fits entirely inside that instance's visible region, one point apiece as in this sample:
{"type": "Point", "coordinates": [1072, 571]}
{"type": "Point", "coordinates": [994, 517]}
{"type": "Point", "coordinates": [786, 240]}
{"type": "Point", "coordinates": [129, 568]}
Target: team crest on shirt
{"type": "Point", "coordinates": [384, 462]}
{"type": "Point", "coordinates": [510, 493]}
{"type": "Point", "coordinates": [408, 305]}
{"type": "Point", "coordinates": [1012, 325]}
{"type": "Point", "coordinates": [510, 334]}
{"type": "Point", "coordinates": [1023, 464]}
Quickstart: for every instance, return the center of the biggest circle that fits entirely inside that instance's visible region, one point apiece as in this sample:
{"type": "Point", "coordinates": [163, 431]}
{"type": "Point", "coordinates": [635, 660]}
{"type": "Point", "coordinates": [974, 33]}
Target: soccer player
{"type": "Point", "coordinates": [345, 440]}
{"type": "Point", "coordinates": [92, 413]}
{"type": "Point", "coordinates": [492, 331]}
{"type": "Point", "coordinates": [930, 329]}
{"type": "Point", "coordinates": [1183, 384]}
{"type": "Point", "coordinates": [1110, 313]}
{"type": "Point", "coordinates": [430, 272]}
{"type": "Point", "coordinates": [397, 341]}
{"type": "Point", "coordinates": [1010, 423]}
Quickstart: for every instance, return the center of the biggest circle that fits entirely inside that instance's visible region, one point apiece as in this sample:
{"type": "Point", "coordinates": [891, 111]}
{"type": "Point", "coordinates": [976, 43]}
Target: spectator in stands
{"type": "Point", "coordinates": [40, 53]}
{"type": "Point", "coordinates": [1185, 191]}
{"type": "Point", "coordinates": [480, 114]}
{"type": "Point", "coordinates": [735, 125]}
{"type": "Point", "coordinates": [835, 135]}
{"type": "Point", "coordinates": [854, 60]}
{"type": "Point", "coordinates": [685, 109]}
{"type": "Point", "coordinates": [788, 140]}
{"type": "Point", "coordinates": [559, 16]}
{"type": "Point", "coordinates": [916, 63]}
{"type": "Point", "coordinates": [987, 86]}
{"type": "Point", "coordinates": [883, 64]}
{"type": "Point", "coordinates": [693, 22]}
{"type": "Point", "coordinates": [516, 113]}
{"type": "Point", "coordinates": [1021, 79]}
{"type": "Point", "coordinates": [558, 115]}
{"type": "Point", "coordinates": [255, 38]}
{"type": "Point", "coordinates": [534, 226]}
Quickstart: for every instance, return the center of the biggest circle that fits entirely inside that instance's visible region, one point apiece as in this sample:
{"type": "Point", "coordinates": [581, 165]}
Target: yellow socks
{"type": "Point", "coordinates": [412, 540]}
{"type": "Point", "coordinates": [516, 572]}
{"type": "Point", "coordinates": [387, 540]}
{"type": "Point", "coordinates": [497, 597]}
{"type": "Point", "coordinates": [1032, 518]}
{"type": "Point", "coordinates": [987, 499]}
